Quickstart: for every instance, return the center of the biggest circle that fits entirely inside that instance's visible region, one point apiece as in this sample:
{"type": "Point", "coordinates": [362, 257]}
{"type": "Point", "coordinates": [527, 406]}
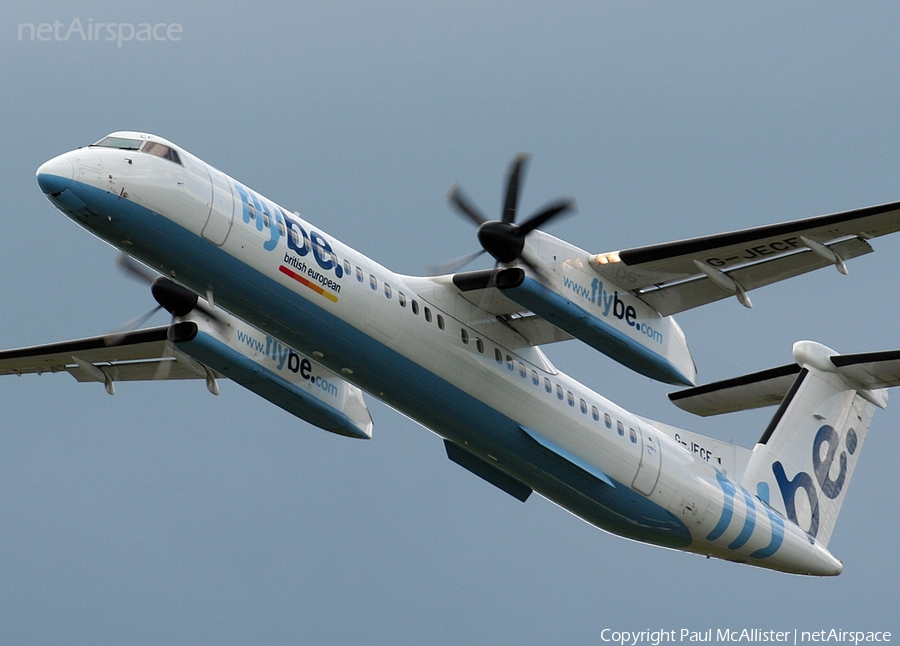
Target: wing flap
{"type": "Point", "coordinates": [151, 344]}
{"type": "Point", "coordinates": [737, 247]}
{"type": "Point", "coordinates": [162, 369]}
{"type": "Point", "coordinates": [752, 255]}
{"type": "Point", "coordinates": [676, 297]}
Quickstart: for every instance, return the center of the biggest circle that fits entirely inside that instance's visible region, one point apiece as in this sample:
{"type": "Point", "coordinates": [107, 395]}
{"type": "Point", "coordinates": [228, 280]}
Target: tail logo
{"type": "Point", "coordinates": [830, 488]}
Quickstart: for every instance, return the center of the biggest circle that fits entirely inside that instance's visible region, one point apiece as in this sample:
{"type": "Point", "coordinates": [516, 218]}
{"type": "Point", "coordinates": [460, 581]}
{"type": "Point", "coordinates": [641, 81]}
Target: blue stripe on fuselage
{"type": "Point", "coordinates": [407, 386]}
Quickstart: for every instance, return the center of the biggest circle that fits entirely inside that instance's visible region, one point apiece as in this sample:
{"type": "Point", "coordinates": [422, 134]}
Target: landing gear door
{"type": "Point", "coordinates": [221, 212]}
{"type": "Point", "coordinates": [651, 459]}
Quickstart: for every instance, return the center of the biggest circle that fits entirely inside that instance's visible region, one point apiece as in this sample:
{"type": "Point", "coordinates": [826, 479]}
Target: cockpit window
{"type": "Point", "coordinates": [161, 150]}
{"type": "Point", "coordinates": [151, 147]}
{"type": "Point", "coordinates": [119, 142]}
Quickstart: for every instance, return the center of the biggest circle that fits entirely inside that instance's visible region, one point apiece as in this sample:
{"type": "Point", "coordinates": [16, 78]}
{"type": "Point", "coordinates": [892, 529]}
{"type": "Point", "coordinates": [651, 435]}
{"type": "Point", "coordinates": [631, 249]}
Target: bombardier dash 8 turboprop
{"type": "Point", "coordinates": [267, 299]}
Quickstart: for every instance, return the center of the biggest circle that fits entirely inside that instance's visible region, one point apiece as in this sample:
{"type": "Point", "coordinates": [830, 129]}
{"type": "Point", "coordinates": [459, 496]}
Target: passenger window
{"type": "Point", "coordinates": [464, 335]}
{"type": "Point", "coordinates": [266, 220]}
{"type": "Point", "coordinates": [559, 392]}
{"type": "Point", "coordinates": [521, 369]}
{"type": "Point", "coordinates": [282, 232]}
{"type": "Point", "coordinates": [534, 378]}
{"type": "Point", "coordinates": [509, 363]}
{"type": "Point", "coordinates": [607, 420]}
{"type": "Point", "coordinates": [440, 320]}
{"type": "Point", "coordinates": [620, 429]}
{"type": "Point", "coordinates": [479, 344]}
{"type": "Point", "coordinates": [346, 262]}
{"type": "Point", "coordinates": [415, 307]}
{"type": "Point", "coordinates": [595, 413]}
{"type": "Point", "coordinates": [547, 385]}
{"type": "Point", "coordinates": [632, 435]}
{"type": "Point", "coordinates": [427, 315]}
{"type": "Point", "coordinates": [583, 405]}
{"type": "Point", "coordinates": [497, 355]}
{"type": "Point", "coordinates": [373, 282]}
{"type": "Point", "coordinates": [570, 398]}
{"type": "Point", "coordinates": [402, 298]}
{"type": "Point", "coordinates": [387, 290]}
{"type": "Point", "coordinates": [359, 274]}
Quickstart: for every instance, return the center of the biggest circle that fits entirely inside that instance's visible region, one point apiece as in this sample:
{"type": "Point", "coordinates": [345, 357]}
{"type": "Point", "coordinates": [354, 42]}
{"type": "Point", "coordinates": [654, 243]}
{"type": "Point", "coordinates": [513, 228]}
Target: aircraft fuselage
{"type": "Point", "coordinates": [416, 344]}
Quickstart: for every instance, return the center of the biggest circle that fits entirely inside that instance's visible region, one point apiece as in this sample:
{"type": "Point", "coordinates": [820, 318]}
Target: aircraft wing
{"type": "Point", "coordinates": [197, 348]}
{"type": "Point", "coordinates": [134, 356]}
{"type": "Point", "coordinates": [675, 276]}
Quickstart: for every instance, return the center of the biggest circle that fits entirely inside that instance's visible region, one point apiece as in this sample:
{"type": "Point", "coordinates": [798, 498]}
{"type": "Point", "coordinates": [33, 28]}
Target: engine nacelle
{"type": "Point", "coordinates": [276, 372]}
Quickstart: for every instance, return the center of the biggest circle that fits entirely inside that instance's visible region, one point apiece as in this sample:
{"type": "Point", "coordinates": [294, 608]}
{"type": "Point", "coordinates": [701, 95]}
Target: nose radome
{"type": "Point", "coordinates": [54, 176]}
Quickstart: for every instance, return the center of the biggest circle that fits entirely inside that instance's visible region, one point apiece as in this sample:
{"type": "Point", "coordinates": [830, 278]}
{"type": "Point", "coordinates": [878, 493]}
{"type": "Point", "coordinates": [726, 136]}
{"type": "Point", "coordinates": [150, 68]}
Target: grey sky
{"type": "Point", "coordinates": [165, 515]}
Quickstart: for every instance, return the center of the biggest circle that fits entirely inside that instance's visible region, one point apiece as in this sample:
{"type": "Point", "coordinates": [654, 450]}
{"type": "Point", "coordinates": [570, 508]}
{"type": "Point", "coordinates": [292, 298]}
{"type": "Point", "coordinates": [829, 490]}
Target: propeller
{"type": "Point", "coordinates": [170, 296]}
{"type": "Point", "coordinates": [503, 239]}
{"type": "Point", "coordinates": [175, 299]}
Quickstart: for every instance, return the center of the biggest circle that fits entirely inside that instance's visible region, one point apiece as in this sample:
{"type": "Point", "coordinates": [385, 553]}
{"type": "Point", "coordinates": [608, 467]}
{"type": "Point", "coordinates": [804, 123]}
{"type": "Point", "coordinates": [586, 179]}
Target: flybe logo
{"type": "Point", "coordinates": [751, 514]}
{"type": "Point", "coordinates": [825, 450]}
{"type": "Point", "coordinates": [284, 358]}
{"type": "Point", "coordinates": [609, 304]}
{"type": "Point", "coordinates": [310, 272]}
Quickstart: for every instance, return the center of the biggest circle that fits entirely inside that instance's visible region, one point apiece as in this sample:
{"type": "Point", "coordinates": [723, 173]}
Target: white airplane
{"type": "Point", "coordinates": [263, 297]}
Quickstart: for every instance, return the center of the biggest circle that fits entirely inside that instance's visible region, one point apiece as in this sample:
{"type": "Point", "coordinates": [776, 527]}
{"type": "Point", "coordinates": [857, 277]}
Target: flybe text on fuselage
{"type": "Point", "coordinates": [265, 215]}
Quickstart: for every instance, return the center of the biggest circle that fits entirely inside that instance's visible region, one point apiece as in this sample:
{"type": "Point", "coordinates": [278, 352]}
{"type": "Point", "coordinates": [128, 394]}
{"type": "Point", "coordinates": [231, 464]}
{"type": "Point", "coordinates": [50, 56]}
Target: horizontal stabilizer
{"type": "Point", "coordinates": [867, 371]}
{"type": "Point", "coordinates": [757, 390]}
{"type": "Point", "coordinates": [871, 369]}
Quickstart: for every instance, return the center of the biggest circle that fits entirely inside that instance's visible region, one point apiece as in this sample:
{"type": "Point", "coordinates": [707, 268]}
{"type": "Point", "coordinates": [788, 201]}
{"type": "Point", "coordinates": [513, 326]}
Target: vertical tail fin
{"type": "Point", "coordinates": [803, 463]}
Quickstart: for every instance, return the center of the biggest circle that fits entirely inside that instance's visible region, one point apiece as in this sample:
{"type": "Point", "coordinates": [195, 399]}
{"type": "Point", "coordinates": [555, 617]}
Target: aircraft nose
{"type": "Point", "coordinates": [54, 176]}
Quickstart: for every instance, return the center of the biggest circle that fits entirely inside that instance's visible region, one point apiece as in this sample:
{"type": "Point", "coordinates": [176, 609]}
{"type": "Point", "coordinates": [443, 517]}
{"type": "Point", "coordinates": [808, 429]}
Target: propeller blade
{"type": "Point", "coordinates": [212, 314]}
{"type": "Point", "coordinates": [133, 268]}
{"type": "Point", "coordinates": [549, 212]}
{"type": "Point", "coordinates": [464, 206]}
{"type": "Point", "coordinates": [452, 266]}
{"type": "Point", "coordinates": [116, 336]}
{"type": "Point", "coordinates": [516, 169]}
{"type": "Point", "coordinates": [165, 365]}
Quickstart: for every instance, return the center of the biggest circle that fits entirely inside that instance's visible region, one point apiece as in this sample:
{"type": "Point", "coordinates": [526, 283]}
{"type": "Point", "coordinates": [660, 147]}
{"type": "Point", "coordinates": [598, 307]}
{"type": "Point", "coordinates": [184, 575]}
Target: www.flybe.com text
{"type": "Point", "coordinates": [286, 359]}
{"type": "Point", "coordinates": [610, 304]}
